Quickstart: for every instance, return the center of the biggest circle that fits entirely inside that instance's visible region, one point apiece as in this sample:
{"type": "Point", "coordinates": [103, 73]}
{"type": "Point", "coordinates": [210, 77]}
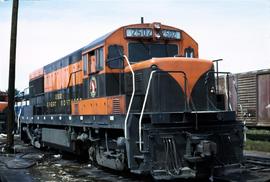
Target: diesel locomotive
{"type": "Point", "coordinates": [136, 99]}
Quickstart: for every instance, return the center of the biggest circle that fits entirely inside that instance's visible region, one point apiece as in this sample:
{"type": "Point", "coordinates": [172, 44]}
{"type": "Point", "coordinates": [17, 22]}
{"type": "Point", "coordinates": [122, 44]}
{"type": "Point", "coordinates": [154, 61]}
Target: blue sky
{"type": "Point", "coordinates": [237, 31]}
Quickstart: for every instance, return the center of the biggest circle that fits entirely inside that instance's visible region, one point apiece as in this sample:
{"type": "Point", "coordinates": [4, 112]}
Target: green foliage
{"type": "Point", "coordinates": [256, 145]}
{"type": "Point", "coordinates": [259, 132]}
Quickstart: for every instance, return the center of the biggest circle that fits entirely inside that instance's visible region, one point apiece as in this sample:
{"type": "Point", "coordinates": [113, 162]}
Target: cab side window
{"type": "Point", "coordinates": [189, 52]}
{"type": "Point", "coordinates": [85, 64]}
{"type": "Point", "coordinates": [99, 59]}
{"type": "Point", "coordinates": [115, 57]}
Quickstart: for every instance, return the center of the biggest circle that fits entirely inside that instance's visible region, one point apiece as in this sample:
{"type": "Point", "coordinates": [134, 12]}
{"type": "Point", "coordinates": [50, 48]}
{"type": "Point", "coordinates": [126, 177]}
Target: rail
{"type": "Point", "coordinates": [257, 159]}
{"type": "Point", "coordinates": [217, 89]}
{"type": "Point", "coordinates": [146, 96]}
{"type": "Point", "coordinates": [132, 96]}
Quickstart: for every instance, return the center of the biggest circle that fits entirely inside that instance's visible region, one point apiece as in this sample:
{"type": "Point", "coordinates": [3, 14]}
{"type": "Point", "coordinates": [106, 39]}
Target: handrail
{"type": "Point", "coordinates": [69, 80]}
{"type": "Point", "coordinates": [18, 120]}
{"type": "Point", "coordinates": [132, 96]}
{"type": "Point", "coordinates": [74, 72]}
{"type": "Point", "coordinates": [227, 84]}
{"type": "Point", "coordinates": [144, 103]}
{"type": "Point", "coordinates": [216, 61]}
{"type": "Point", "coordinates": [20, 111]}
{"type": "Point", "coordinates": [146, 96]}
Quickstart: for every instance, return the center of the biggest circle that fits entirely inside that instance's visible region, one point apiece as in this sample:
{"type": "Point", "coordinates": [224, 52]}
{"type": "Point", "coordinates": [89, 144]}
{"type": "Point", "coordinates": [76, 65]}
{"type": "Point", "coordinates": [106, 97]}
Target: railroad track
{"type": "Point", "coordinates": [256, 168]}
{"type": "Point", "coordinates": [258, 165]}
{"type": "Point", "coordinates": [264, 161]}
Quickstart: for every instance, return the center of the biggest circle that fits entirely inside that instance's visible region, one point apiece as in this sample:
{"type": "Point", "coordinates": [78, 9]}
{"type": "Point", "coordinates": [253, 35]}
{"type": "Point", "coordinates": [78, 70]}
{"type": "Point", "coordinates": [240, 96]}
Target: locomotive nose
{"type": "Point", "coordinates": [176, 84]}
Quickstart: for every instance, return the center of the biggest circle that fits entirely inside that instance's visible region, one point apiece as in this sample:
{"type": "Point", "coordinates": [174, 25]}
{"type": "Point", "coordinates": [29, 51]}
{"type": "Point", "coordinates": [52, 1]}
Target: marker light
{"type": "Point", "coordinates": [157, 25]}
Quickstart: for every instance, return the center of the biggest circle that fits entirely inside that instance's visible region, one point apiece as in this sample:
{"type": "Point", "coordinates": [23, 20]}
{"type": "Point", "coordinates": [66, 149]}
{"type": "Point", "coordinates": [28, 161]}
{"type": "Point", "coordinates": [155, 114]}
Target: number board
{"type": "Point", "coordinates": [171, 34]}
{"type": "Point", "coordinates": [139, 33]}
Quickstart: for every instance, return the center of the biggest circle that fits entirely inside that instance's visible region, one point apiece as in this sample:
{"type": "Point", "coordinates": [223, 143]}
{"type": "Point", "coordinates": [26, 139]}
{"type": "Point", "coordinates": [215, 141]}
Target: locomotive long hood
{"type": "Point", "coordinates": [193, 68]}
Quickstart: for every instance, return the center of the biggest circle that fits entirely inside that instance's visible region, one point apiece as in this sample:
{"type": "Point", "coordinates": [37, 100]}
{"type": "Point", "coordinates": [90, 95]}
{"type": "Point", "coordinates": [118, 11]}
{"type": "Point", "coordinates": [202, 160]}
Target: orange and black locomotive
{"type": "Point", "coordinates": [137, 99]}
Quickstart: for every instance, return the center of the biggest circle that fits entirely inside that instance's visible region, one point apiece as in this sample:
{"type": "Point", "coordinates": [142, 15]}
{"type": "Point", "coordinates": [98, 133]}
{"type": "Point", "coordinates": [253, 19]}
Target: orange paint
{"type": "Point", "coordinates": [3, 106]}
{"type": "Point", "coordinates": [194, 69]}
{"type": "Point", "coordinates": [36, 74]}
{"type": "Point", "coordinates": [118, 37]}
{"type": "Point", "coordinates": [93, 64]}
{"type": "Point", "coordinates": [70, 75]}
{"type": "Point", "coordinates": [99, 106]}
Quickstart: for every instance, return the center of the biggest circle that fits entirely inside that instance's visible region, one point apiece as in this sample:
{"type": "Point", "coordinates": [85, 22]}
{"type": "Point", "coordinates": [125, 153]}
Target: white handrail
{"type": "Point", "coordinates": [18, 120]}
{"type": "Point", "coordinates": [132, 96]}
{"type": "Point", "coordinates": [143, 107]}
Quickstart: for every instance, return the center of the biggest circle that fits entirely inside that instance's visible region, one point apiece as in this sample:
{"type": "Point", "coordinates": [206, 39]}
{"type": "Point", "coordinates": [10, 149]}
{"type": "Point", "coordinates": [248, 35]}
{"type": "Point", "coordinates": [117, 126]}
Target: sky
{"type": "Point", "coordinates": [236, 31]}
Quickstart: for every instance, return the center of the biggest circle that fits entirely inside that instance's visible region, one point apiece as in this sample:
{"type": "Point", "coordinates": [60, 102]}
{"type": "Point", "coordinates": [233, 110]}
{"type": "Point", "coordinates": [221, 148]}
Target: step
{"type": "Point", "coordinates": [138, 157]}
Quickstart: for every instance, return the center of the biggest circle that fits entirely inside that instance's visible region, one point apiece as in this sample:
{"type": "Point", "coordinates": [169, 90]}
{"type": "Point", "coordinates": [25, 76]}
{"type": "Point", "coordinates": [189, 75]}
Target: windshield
{"type": "Point", "coordinates": [142, 51]}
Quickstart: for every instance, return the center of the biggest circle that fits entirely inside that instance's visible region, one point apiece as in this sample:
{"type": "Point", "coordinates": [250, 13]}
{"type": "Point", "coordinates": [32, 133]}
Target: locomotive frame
{"type": "Point", "coordinates": [131, 99]}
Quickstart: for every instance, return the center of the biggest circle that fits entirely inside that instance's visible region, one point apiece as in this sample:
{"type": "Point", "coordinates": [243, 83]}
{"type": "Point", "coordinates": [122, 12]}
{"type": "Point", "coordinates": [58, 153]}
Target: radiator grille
{"type": "Point", "coordinates": [116, 106]}
{"type": "Point", "coordinates": [139, 82]}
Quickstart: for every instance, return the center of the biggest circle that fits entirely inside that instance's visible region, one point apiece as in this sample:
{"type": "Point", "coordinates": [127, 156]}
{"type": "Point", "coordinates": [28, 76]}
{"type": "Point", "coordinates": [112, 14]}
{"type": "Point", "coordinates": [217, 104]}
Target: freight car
{"type": "Point", "coordinates": [250, 96]}
{"type": "Point", "coordinates": [136, 99]}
